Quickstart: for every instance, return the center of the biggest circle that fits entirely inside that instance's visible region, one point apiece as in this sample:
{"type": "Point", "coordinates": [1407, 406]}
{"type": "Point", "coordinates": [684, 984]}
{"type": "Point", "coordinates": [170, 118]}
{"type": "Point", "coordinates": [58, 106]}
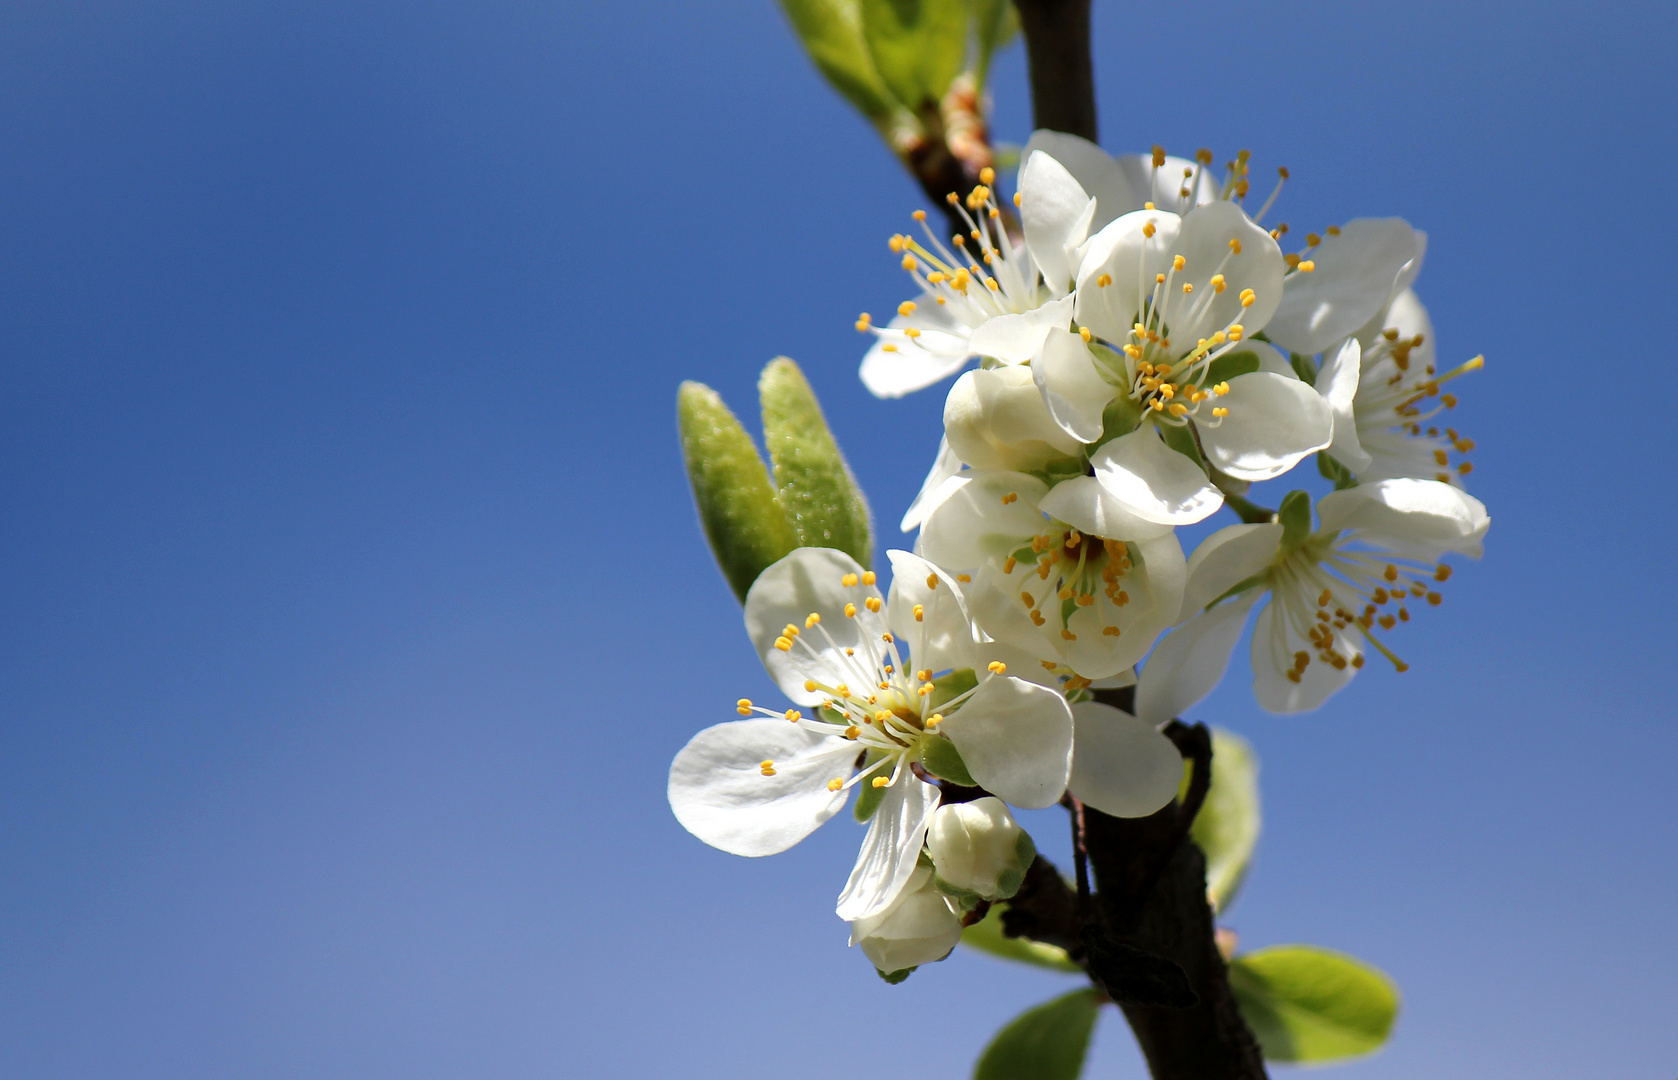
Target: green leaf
{"type": "Point", "coordinates": [918, 46]}
{"type": "Point", "coordinates": [1181, 439]}
{"type": "Point", "coordinates": [831, 31]}
{"type": "Point", "coordinates": [1295, 518]}
{"type": "Point", "coordinates": [986, 935]}
{"type": "Point", "coordinates": [1308, 1004]}
{"type": "Point", "coordinates": [1305, 367]}
{"type": "Point", "coordinates": [1045, 1043]}
{"type": "Point", "coordinates": [1227, 826]}
{"type": "Point", "coordinates": [1229, 365]}
{"type": "Point", "coordinates": [943, 760]}
{"type": "Point", "coordinates": [995, 22]}
{"type": "Point", "coordinates": [817, 490]}
{"type": "Point", "coordinates": [739, 511]}
{"type": "Point", "coordinates": [1333, 470]}
{"type": "Point", "coordinates": [951, 685]}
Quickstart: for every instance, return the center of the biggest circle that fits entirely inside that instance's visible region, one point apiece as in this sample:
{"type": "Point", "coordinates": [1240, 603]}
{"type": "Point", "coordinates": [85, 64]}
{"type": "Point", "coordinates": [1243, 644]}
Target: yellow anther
{"type": "Point", "coordinates": [1307, 266]}
{"type": "Point", "coordinates": [1291, 259]}
{"type": "Point", "coordinates": [1218, 285]}
{"type": "Point", "coordinates": [1148, 230]}
{"type": "Point", "coordinates": [887, 638]}
{"type": "Point", "coordinates": [888, 347]}
{"type": "Point", "coordinates": [767, 768]}
{"type": "Point", "coordinates": [1188, 287]}
{"type": "Point", "coordinates": [1248, 298]}
{"type": "Point", "coordinates": [1434, 598]}
{"type": "Point", "coordinates": [964, 578]}
{"type": "Point", "coordinates": [811, 686]}
{"type": "Point", "coordinates": [1203, 155]}
{"type": "Point", "coordinates": [934, 720]}
{"type": "Point", "coordinates": [1009, 498]}
{"type": "Point", "coordinates": [906, 308]}
{"type": "Point", "coordinates": [987, 175]}
{"type": "Point", "coordinates": [932, 581]}
{"type": "Point", "coordinates": [1312, 239]}
{"type": "Point", "coordinates": [793, 714]}
{"type": "Point", "coordinates": [1148, 206]}
{"type": "Point", "coordinates": [1236, 331]}
{"type": "Point", "coordinates": [1235, 245]}
{"type": "Point", "coordinates": [1283, 173]}
{"type": "Point", "coordinates": [811, 619]}
{"type": "Point", "coordinates": [1333, 230]}
{"type": "Point", "coordinates": [1219, 412]}
{"type": "Point", "coordinates": [844, 691]}
{"type": "Point", "coordinates": [881, 781]}
{"type": "Point", "coordinates": [1159, 279]}
{"type": "Point", "coordinates": [868, 577]}
{"type": "Point", "coordinates": [1109, 631]}
{"type": "Point", "coordinates": [848, 580]}
{"type": "Point", "coordinates": [920, 612]}
{"type": "Point", "coordinates": [835, 784]}
{"type": "Point", "coordinates": [1103, 280]}
{"type": "Point", "coordinates": [1391, 573]}
{"type": "Point", "coordinates": [1159, 156]}
{"type": "Point", "coordinates": [1008, 564]}
{"type": "Point", "coordinates": [872, 603]}
{"type": "Point", "coordinates": [1177, 408]}
{"type": "Point", "coordinates": [1028, 599]}
{"type": "Point", "coordinates": [909, 262]}
{"type": "Point", "coordinates": [852, 732]}
{"type": "Point", "coordinates": [863, 322]}
{"type": "Point", "coordinates": [743, 706]}
{"type": "Point", "coordinates": [1085, 600]}
{"type": "Point", "coordinates": [997, 667]}
{"type": "Point", "coordinates": [789, 631]}
{"type": "Point", "coordinates": [1016, 198]}
{"type": "Point", "coordinates": [895, 243]}
{"type": "Point", "coordinates": [924, 689]}
{"type": "Point", "coordinates": [1068, 635]}
{"type": "Point", "coordinates": [784, 644]}
{"type": "Point", "coordinates": [919, 215]}
{"type": "Point", "coordinates": [1084, 332]}
{"type": "Point", "coordinates": [1178, 262]}
{"type": "Point", "coordinates": [911, 333]}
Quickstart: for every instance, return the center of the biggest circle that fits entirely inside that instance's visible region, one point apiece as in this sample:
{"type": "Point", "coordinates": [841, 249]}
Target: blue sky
{"type": "Point", "coordinates": [351, 603]}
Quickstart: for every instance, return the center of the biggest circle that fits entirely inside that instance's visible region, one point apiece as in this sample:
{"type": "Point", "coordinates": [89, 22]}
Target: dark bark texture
{"type": "Point", "coordinates": [1057, 50]}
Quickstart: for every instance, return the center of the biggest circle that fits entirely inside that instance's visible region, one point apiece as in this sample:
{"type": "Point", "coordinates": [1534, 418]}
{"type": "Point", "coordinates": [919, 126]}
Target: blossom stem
{"type": "Point", "coordinates": [1057, 45]}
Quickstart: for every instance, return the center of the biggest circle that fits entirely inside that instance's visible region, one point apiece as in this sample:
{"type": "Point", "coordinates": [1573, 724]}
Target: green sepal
{"type": "Point", "coordinates": [1295, 517]}
{"type": "Point", "coordinates": [918, 46]}
{"type": "Point", "coordinates": [1120, 417]}
{"type": "Point", "coordinates": [1045, 1043]}
{"type": "Point", "coordinates": [831, 31]}
{"type": "Point", "coordinates": [817, 491]}
{"type": "Point", "coordinates": [895, 977]}
{"type": "Point", "coordinates": [967, 898]}
{"type": "Point", "coordinates": [738, 509]}
{"type": "Point", "coordinates": [951, 685]}
{"type": "Point", "coordinates": [986, 935]}
{"type": "Point", "coordinates": [1227, 827]}
{"type": "Point", "coordinates": [867, 795]}
{"type": "Point", "coordinates": [1308, 1004]}
{"type": "Point", "coordinates": [1231, 365]}
{"type": "Point", "coordinates": [1305, 367]}
{"type": "Point", "coordinates": [1007, 883]}
{"type": "Point", "coordinates": [1333, 470]}
{"type": "Point", "coordinates": [943, 760]}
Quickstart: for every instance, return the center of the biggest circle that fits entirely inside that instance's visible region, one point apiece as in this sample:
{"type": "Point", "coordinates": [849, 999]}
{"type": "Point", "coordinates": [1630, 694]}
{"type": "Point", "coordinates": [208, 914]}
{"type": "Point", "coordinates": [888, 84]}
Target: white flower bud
{"type": "Point", "coordinates": [918, 928]}
{"type": "Point", "coordinates": [979, 851]}
{"type": "Point", "coordinates": [996, 419]}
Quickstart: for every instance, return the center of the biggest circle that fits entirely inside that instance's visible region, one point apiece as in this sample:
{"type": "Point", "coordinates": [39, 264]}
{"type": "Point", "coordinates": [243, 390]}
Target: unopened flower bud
{"type": "Point", "coordinates": [919, 927]}
{"type": "Point", "coordinates": [996, 419]}
{"type": "Point", "coordinates": [979, 851]}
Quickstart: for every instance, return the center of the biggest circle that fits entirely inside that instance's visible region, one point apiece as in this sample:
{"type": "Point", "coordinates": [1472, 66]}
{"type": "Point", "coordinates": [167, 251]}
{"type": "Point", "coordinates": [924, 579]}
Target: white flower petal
{"type": "Point", "coordinates": [1337, 382]}
{"type": "Point", "coordinates": [1204, 243]}
{"type": "Point", "coordinates": [946, 466]}
{"type": "Point", "coordinates": [1273, 422]}
{"type": "Point", "coordinates": [1073, 390]}
{"type": "Point", "coordinates": [1128, 258]}
{"type": "Point", "coordinates": [719, 793]}
{"type": "Point", "coordinates": [972, 523]}
{"type": "Point", "coordinates": [1421, 517]}
{"type": "Point", "coordinates": [912, 363]}
{"type": "Point", "coordinates": [1356, 272]}
{"type": "Point", "coordinates": [1190, 662]}
{"type": "Point", "coordinates": [1016, 739]}
{"type": "Point", "coordinates": [942, 637]}
{"type": "Point", "coordinates": [1015, 339]}
{"type": "Point", "coordinates": [1225, 559]}
{"type": "Point", "coordinates": [918, 928]}
{"type": "Point", "coordinates": [1164, 186]}
{"type": "Point", "coordinates": [1153, 481]}
{"type": "Point", "coordinates": [808, 580]}
{"type": "Point", "coordinates": [1084, 504]}
{"type": "Point", "coordinates": [1054, 213]}
{"type": "Point", "coordinates": [891, 848]}
{"type": "Point", "coordinates": [1096, 172]}
{"type": "Point", "coordinates": [1275, 648]}
{"type": "Point", "coordinates": [1120, 765]}
{"type": "Point", "coordinates": [996, 419]}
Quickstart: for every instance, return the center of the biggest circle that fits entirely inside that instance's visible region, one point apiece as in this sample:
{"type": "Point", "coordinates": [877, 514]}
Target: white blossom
{"type": "Point", "coordinates": [1376, 551]}
{"type": "Point", "coordinates": [830, 640]}
{"type": "Point", "coordinates": [979, 852]}
{"type": "Point", "coordinates": [919, 926]}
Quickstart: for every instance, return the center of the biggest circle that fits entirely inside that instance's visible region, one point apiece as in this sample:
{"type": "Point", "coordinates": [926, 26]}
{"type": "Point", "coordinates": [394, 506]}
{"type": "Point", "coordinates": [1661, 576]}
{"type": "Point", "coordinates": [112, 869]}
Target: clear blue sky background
{"type": "Point", "coordinates": [351, 603]}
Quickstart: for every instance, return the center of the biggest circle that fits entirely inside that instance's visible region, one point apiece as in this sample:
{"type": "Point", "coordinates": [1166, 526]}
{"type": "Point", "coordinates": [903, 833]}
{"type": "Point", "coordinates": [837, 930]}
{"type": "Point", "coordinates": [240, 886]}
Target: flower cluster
{"type": "Point", "coordinates": [1147, 350]}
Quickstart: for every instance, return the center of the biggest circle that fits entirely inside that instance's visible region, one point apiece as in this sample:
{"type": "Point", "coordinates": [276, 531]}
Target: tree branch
{"type": "Point", "coordinates": [1057, 49]}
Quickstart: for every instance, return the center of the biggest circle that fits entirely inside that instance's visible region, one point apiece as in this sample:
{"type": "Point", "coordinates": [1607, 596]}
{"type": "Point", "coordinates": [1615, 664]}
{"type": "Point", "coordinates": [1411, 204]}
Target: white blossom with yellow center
{"type": "Point", "coordinates": [1167, 307]}
{"type": "Point", "coordinates": [1331, 592]}
{"type": "Point", "coordinates": [864, 665]}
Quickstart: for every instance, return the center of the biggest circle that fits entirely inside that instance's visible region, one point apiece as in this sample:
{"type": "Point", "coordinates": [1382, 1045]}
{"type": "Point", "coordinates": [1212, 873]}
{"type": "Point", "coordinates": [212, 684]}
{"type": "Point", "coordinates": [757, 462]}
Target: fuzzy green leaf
{"type": "Point", "coordinates": [817, 490]}
{"type": "Point", "coordinates": [1227, 826]}
{"type": "Point", "coordinates": [738, 509]}
{"type": "Point", "coordinates": [831, 31]}
{"type": "Point", "coordinates": [1307, 1004]}
{"type": "Point", "coordinates": [1045, 1043]}
{"type": "Point", "coordinates": [918, 46]}
{"type": "Point", "coordinates": [986, 936]}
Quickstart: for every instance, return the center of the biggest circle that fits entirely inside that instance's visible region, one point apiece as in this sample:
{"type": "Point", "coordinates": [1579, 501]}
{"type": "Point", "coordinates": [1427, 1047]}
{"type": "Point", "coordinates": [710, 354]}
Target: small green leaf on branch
{"type": "Point", "coordinates": [1227, 827]}
{"type": "Point", "coordinates": [820, 496]}
{"type": "Point", "coordinates": [1045, 1043]}
{"type": "Point", "coordinates": [1307, 1004]}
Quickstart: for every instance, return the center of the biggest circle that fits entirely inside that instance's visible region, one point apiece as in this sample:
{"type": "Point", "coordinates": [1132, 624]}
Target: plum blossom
{"type": "Point", "coordinates": [866, 663]}
{"type": "Point", "coordinates": [1377, 549]}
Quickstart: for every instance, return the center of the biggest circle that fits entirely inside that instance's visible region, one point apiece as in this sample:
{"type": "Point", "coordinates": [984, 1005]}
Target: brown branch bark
{"type": "Point", "coordinates": [1057, 49]}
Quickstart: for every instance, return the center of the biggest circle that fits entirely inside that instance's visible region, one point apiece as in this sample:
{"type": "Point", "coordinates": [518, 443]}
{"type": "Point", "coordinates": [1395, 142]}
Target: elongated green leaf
{"type": "Point", "coordinates": [1045, 1043]}
{"type": "Point", "coordinates": [738, 509]}
{"type": "Point", "coordinates": [1308, 1004]}
{"type": "Point", "coordinates": [831, 31]}
{"type": "Point", "coordinates": [1227, 826]}
{"type": "Point", "coordinates": [986, 936]}
{"type": "Point", "coordinates": [918, 46]}
{"type": "Point", "coordinates": [817, 490]}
